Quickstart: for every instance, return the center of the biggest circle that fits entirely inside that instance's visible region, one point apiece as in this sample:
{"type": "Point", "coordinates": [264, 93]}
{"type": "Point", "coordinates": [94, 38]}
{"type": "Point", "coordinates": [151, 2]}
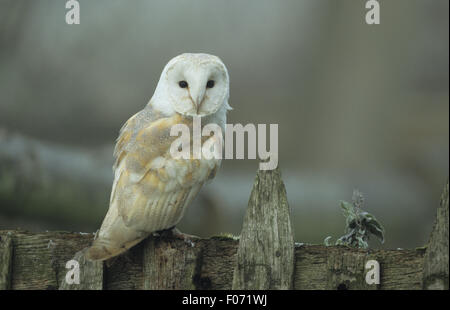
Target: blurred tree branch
{"type": "Point", "coordinates": [52, 182]}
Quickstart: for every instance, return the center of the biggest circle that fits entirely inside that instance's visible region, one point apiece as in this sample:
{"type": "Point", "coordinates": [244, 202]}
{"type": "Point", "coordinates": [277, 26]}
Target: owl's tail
{"type": "Point", "coordinates": [103, 249]}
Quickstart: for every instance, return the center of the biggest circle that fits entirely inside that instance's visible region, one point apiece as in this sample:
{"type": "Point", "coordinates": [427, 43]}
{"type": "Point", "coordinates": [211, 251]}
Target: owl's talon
{"type": "Point", "coordinates": [96, 234]}
{"type": "Point", "coordinates": [185, 237]}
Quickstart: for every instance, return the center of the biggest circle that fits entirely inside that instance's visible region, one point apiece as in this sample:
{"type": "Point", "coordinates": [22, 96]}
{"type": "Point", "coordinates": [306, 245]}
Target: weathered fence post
{"type": "Point", "coordinates": [170, 264]}
{"type": "Point", "coordinates": [6, 253]}
{"type": "Point", "coordinates": [435, 268]}
{"type": "Point", "coordinates": [265, 258]}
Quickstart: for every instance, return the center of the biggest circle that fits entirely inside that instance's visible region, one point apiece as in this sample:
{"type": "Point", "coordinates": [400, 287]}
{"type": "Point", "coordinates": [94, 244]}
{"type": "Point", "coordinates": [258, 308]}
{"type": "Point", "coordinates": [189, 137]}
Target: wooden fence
{"type": "Point", "coordinates": [264, 257]}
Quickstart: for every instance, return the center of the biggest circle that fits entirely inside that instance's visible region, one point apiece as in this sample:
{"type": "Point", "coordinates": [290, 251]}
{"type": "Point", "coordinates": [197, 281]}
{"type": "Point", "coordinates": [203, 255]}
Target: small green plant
{"type": "Point", "coordinates": [359, 225]}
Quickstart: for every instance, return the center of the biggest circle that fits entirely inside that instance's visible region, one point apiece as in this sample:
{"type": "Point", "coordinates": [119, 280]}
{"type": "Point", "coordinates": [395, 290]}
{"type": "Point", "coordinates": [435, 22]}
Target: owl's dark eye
{"type": "Point", "coordinates": [210, 84]}
{"type": "Point", "coordinates": [183, 84]}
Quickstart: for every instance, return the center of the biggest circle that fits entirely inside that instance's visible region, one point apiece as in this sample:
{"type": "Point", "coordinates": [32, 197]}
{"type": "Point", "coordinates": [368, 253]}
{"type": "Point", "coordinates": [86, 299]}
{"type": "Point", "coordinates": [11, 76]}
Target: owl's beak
{"type": "Point", "coordinates": [197, 94]}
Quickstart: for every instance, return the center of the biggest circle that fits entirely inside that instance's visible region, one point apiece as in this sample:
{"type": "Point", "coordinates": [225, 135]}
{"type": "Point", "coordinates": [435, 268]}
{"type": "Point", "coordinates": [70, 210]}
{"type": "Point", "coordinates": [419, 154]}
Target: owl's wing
{"type": "Point", "coordinates": [151, 189]}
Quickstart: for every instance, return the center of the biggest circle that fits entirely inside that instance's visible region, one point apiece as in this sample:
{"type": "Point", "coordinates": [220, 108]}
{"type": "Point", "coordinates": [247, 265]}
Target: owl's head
{"type": "Point", "coordinates": [192, 84]}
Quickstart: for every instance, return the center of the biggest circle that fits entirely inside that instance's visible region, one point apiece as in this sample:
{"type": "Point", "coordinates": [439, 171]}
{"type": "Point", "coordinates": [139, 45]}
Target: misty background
{"type": "Point", "coordinates": [358, 106]}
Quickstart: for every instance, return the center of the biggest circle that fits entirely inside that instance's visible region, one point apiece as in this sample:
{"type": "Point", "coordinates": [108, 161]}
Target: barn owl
{"type": "Point", "coordinates": [151, 189]}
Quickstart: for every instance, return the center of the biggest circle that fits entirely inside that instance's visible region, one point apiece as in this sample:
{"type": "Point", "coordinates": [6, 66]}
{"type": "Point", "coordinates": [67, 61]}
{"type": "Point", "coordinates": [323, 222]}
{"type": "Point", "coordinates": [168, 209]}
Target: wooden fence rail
{"type": "Point", "coordinates": [264, 257]}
